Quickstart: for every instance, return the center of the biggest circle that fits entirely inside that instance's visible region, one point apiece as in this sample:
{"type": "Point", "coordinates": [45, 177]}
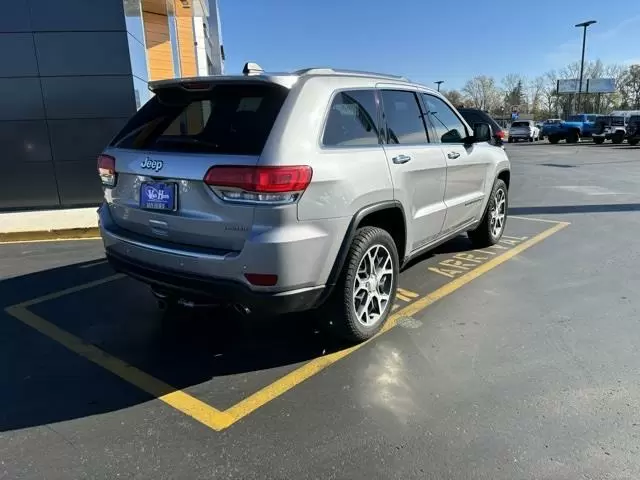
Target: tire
{"type": "Point", "coordinates": [530, 139]}
{"type": "Point", "coordinates": [340, 307]}
{"type": "Point", "coordinates": [510, 140]}
{"type": "Point", "coordinates": [573, 137]}
{"type": "Point", "coordinates": [485, 235]}
{"type": "Point", "coordinates": [554, 139]}
{"type": "Point", "coordinates": [617, 139]}
{"type": "Point", "coordinates": [598, 140]}
{"type": "Point", "coordinates": [633, 141]}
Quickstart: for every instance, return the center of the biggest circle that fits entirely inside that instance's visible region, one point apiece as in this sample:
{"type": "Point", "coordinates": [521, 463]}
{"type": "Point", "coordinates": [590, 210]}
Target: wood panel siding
{"type": "Point", "coordinates": [186, 40]}
{"type": "Point", "coordinates": [159, 55]}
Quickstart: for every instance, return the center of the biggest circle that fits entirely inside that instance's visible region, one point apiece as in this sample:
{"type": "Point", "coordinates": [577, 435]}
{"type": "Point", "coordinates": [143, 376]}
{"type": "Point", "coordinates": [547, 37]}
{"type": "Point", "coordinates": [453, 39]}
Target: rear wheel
{"type": "Point", "coordinates": [618, 138]}
{"type": "Point", "coordinates": [531, 139]}
{"type": "Point", "coordinates": [634, 141]}
{"type": "Point", "coordinates": [573, 137]}
{"type": "Point", "coordinates": [494, 220]}
{"type": "Point", "coordinates": [598, 140]}
{"type": "Point", "coordinates": [361, 301]}
{"type": "Point", "coordinates": [554, 139]}
{"type": "Point", "coordinates": [510, 140]}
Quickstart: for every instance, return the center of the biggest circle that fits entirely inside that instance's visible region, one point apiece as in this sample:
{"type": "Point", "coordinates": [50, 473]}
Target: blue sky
{"type": "Point", "coordinates": [427, 40]}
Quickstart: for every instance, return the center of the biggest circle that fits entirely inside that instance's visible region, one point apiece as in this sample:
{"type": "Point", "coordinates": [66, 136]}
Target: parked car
{"type": "Point", "coordinates": [633, 130]}
{"type": "Point", "coordinates": [610, 127]}
{"type": "Point", "coordinates": [571, 130]}
{"type": "Point", "coordinates": [474, 115]}
{"type": "Point", "coordinates": [523, 130]}
{"type": "Point", "coordinates": [540, 125]}
{"type": "Point", "coordinates": [300, 191]}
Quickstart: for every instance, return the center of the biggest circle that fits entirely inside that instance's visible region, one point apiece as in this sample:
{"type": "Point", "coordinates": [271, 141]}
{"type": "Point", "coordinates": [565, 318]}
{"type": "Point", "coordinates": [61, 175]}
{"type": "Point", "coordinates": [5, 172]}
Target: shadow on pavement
{"type": "Point", "coordinates": [562, 209]}
{"type": "Point", "coordinates": [235, 355]}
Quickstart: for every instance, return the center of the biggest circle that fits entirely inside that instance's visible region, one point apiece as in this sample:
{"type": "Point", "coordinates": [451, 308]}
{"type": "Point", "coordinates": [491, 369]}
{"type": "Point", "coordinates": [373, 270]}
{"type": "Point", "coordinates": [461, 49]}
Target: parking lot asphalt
{"type": "Point", "coordinates": [518, 361]}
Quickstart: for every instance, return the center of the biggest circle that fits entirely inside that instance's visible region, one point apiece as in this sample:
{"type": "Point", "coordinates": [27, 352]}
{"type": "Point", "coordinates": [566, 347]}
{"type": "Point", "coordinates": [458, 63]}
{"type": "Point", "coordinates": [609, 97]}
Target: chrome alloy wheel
{"type": "Point", "coordinates": [372, 285]}
{"type": "Point", "coordinates": [498, 213]}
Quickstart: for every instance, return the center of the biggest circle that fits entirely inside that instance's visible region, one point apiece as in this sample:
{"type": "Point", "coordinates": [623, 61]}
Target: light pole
{"type": "Point", "coordinates": [439, 82]}
{"type": "Point", "coordinates": [584, 25]}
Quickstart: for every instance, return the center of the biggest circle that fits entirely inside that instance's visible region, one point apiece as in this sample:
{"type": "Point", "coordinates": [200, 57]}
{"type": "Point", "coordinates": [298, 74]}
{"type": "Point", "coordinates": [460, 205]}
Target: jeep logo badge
{"type": "Point", "coordinates": [155, 165]}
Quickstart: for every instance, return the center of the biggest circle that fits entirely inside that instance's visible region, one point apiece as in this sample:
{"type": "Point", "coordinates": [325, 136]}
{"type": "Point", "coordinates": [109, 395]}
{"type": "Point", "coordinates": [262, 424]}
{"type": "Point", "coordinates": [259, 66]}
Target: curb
{"type": "Point", "coordinates": [92, 233]}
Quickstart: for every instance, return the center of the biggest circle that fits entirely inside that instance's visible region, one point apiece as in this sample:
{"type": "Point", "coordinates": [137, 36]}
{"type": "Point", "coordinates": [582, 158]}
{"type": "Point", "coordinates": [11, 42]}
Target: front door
{"type": "Point", "coordinates": [418, 168]}
{"type": "Point", "coordinates": [467, 165]}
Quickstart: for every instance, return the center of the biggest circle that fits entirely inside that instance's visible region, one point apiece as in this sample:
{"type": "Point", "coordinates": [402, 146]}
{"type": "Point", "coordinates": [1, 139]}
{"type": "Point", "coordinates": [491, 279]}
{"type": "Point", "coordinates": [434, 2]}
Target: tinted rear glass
{"type": "Point", "coordinates": [617, 120]}
{"type": "Point", "coordinates": [229, 119]}
{"type": "Point", "coordinates": [520, 124]}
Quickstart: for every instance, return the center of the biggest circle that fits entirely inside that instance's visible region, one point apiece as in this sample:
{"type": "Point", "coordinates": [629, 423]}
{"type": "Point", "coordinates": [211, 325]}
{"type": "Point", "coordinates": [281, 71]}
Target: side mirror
{"type": "Point", "coordinates": [481, 132]}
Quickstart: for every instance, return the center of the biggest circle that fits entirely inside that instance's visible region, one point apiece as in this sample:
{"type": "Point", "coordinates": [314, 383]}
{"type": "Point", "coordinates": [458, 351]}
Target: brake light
{"type": "Point", "coordinates": [500, 134]}
{"type": "Point", "coordinates": [107, 170]}
{"type": "Point", "coordinates": [269, 185]}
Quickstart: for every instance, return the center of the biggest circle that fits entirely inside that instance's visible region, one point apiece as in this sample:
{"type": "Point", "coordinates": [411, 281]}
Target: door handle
{"type": "Point", "coordinates": [453, 155]}
{"type": "Point", "coordinates": [400, 159]}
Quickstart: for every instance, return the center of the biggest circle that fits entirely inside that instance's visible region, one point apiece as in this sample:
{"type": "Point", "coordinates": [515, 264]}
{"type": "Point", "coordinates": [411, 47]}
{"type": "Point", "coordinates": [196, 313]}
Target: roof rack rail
{"type": "Point", "coordinates": [337, 71]}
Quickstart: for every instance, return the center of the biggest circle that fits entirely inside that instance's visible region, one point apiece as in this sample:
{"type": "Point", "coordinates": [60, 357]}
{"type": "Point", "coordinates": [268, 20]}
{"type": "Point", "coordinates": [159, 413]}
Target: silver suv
{"type": "Point", "coordinates": [295, 191]}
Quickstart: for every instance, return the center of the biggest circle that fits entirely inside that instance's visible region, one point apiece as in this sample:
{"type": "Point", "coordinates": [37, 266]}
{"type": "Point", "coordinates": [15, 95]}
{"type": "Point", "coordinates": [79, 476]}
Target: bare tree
{"type": "Point", "coordinates": [454, 96]}
{"type": "Point", "coordinates": [483, 93]}
{"type": "Point", "coordinates": [630, 88]}
{"type": "Point", "coordinates": [535, 92]}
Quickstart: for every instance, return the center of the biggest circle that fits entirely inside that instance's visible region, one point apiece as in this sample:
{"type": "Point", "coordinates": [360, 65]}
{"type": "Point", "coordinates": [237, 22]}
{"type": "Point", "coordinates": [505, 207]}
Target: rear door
{"type": "Point", "coordinates": [467, 166]}
{"type": "Point", "coordinates": [418, 168]}
{"type": "Point", "coordinates": [165, 151]}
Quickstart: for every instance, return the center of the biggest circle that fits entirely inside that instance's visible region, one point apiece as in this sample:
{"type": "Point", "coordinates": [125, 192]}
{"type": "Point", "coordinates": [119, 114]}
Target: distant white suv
{"type": "Point", "coordinates": [295, 191]}
{"type": "Point", "coordinates": [524, 130]}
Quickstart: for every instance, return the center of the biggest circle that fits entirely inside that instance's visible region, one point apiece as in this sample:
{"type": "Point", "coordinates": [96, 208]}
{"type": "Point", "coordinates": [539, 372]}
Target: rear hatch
{"type": "Point", "coordinates": [520, 128]}
{"type": "Point", "coordinates": [633, 127]}
{"type": "Point", "coordinates": [166, 150]}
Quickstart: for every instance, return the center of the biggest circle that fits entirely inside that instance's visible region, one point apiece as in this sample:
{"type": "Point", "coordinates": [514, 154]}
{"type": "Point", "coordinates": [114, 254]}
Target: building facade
{"type": "Point", "coordinates": [73, 71]}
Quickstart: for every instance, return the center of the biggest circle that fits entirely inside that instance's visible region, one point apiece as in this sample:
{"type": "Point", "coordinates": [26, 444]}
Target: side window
{"type": "Point", "coordinates": [352, 120]}
{"type": "Point", "coordinates": [405, 124]}
{"type": "Point", "coordinates": [447, 125]}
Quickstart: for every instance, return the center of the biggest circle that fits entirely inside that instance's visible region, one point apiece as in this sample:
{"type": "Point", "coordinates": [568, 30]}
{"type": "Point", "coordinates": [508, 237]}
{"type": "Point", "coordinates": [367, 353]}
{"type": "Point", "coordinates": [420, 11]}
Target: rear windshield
{"type": "Point", "coordinates": [231, 119]}
{"type": "Point", "coordinates": [634, 118]}
{"type": "Point", "coordinates": [617, 120]}
{"type": "Point", "coordinates": [520, 124]}
{"type": "Point", "coordinates": [603, 120]}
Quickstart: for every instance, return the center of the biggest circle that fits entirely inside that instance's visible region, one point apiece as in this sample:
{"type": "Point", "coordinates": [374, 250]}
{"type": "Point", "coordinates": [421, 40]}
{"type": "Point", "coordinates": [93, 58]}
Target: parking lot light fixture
{"type": "Point", "coordinates": [584, 25]}
{"type": "Point", "coordinates": [439, 82]}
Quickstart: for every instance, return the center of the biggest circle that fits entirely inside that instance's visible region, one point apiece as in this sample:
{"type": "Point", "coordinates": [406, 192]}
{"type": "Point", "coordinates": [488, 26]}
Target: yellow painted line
{"type": "Point", "coordinates": [205, 413]}
{"type": "Point", "coordinates": [545, 220]}
{"type": "Point", "coordinates": [274, 390]}
{"type": "Point", "coordinates": [11, 242]}
{"type": "Point", "coordinates": [408, 293]}
{"type": "Point", "coordinates": [197, 409]}
{"type": "Point", "coordinates": [92, 233]}
{"type": "Point", "coordinates": [402, 297]}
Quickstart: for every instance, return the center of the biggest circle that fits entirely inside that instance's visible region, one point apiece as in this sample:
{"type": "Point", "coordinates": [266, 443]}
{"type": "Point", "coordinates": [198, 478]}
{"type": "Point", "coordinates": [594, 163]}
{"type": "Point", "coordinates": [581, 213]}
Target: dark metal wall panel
{"type": "Point", "coordinates": [28, 185]}
{"type": "Point", "coordinates": [17, 55]}
{"type": "Point", "coordinates": [20, 99]}
{"type": "Point", "coordinates": [66, 86]}
{"type": "Point", "coordinates": [82, 140]}
{"type": "Point", "coordinates": [78, 183]}
{"type": "Point", "coordinates": [14, 16]}
{"type": "Point", "coordinates": [76, 15]}
{"type": "Point", "coordinates": [88, 97]}
{"type": "Point", "coordinates": [23, 142]}
{"type": "Point", "coordinates": [82, 53]}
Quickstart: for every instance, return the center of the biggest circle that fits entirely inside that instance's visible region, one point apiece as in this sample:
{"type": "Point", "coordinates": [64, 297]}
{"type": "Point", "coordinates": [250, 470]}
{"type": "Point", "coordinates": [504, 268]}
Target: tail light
{"type": "Point", "coordinates": [261, 185]}
{"type": "Point", "coordinates": [500, 134]}
{"type": "Point", "coordinates": [107, 170]}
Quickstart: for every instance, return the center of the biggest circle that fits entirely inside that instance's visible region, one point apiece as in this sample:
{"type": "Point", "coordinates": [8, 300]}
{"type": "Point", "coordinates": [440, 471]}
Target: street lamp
{"type": "Point", "coordinates": [584, 25]}
{"type": "Point", "coordinates": [439, 82]}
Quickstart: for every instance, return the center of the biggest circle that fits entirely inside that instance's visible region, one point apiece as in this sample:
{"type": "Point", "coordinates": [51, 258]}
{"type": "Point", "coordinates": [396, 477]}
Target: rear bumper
{"type": "Point", "coordinates": [194, 287]}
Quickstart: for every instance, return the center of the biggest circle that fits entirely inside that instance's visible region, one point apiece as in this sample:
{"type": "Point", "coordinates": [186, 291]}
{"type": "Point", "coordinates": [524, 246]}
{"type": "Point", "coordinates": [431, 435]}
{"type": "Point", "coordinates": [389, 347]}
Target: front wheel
{"type": "Point", "coordinates": [494, 220]}
{"type": "Point", "coordinates": [598, 140]}
{"type": "Point", "coordinates": [361, 301]}
{"type": "Point", "coordinates": [554, 139]}
{"type": "Point", "coordinates": [617, 139]}
{"type": "Point", "coordinates": [633, 141]}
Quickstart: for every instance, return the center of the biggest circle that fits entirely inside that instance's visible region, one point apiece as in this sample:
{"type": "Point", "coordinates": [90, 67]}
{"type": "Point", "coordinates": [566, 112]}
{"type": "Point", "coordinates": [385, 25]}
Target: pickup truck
{"type": "Point", "coordinates": [571, 130]}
